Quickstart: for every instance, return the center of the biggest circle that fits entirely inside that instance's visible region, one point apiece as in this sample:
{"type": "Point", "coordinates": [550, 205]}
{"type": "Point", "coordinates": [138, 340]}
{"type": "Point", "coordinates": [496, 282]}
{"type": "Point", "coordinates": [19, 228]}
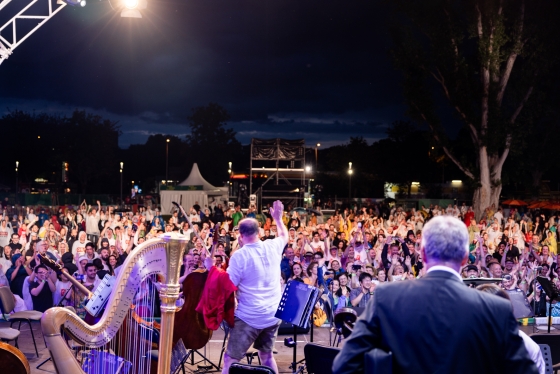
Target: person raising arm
{"type": "Point", "coordinates": [276, 212]}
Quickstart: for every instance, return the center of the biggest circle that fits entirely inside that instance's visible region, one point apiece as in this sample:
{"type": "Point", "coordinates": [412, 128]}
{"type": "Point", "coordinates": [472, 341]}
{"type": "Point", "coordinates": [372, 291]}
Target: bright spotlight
{"type": "Point", "coordinates": [83, 3]}
{"type": "Point", "coordinates": [130, 4]}
{"type": "Point", "coordinates": [132, 8]}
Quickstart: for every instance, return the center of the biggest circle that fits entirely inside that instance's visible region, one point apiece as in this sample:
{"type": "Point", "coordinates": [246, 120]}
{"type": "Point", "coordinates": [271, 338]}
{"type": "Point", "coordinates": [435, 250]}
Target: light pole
{"type": "Point", "coordinates": [230, 171]}
{"type": "Point", "coordinates": [350, 171]}
{"type": "Point", "coordinates": [317, 156]}
{"type": "Point", "coordinates": [166, 160]}
{"type": "Point", "coordinates": [17, 175]}
{"type": "Point", "coordinates": [122, 166]}
{"type": "Point", "coordinates": [306, 181]}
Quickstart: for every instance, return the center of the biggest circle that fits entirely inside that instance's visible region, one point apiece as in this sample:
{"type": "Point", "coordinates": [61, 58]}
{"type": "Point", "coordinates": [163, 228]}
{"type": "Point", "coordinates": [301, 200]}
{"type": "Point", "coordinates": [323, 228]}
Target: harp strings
{"type": "Point", "coordinates": [129, 352]}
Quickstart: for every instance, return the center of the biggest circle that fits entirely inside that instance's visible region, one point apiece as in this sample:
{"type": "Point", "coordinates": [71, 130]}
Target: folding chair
{"type": "Point", "coordinates": [238, 368]}
{"type": "Point", "coordinates": [7, 305]}
{"type": "Point", "coordinates": [251, 352]}
{"type": "Point", "coordinates": [553, 341]}
{"type": "Point", "coordinates": [319, 358]}
{"type": "Point", "coordinates": [8, 334]}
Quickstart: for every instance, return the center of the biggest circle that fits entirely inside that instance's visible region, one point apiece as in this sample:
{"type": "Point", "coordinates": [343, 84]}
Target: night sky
{"type": "Point", "coordinates": [317, 70]}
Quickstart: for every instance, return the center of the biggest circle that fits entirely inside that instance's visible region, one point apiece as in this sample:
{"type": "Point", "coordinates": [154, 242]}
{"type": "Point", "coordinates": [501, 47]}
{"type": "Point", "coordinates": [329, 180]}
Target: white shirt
{"type": "Point", "coordinates": [255, 270]}
{"type": "Point", "coordinates": [534, 352]}
{"type": "Point", "coordinates": [317, 246]}
{"type": "Point", "coordinates": [447, 269]}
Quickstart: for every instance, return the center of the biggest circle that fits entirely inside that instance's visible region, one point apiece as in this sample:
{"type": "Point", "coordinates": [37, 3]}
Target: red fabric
{"type": "Point", "coordinates": [217, 301]}
{"type": "Point", "coordinates": [469, 216]}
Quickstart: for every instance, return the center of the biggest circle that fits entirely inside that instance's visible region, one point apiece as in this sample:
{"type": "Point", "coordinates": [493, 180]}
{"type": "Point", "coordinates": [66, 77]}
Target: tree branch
{"type": "Point", "coordinates": [512, 57]}
{"type": "Point", "coordinates": [465, 170]}
{"type": "Point", "coordinates": [512, 121]}
{"type": "Point", "coordinates": [453, 41]}
{"type": "Point", "coordinates": [441, 81]}
{"type": "Point", "coordinates": [503, 156]}
{"type": "Point", "coordinates": [521, 105]}
{"type": "Point", "coordinates": [485, 77]}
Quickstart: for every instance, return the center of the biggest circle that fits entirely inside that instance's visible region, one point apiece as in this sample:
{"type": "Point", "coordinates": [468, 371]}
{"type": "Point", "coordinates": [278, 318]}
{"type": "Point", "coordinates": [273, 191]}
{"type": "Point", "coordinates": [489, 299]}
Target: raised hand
{"type": "Point", "coordinates": [277, 210]}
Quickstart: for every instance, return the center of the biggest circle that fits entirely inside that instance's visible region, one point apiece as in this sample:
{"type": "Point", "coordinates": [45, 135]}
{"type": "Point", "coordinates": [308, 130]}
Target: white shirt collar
{"type": "Point", "coordinates": [447, 269]}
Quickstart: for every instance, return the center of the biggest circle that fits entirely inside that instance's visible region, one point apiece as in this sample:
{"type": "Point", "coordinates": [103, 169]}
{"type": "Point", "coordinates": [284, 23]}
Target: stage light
{"type": "Point", "coordinates": [131, 8]}
{"type": "Point", "coordinates": [130, 4]}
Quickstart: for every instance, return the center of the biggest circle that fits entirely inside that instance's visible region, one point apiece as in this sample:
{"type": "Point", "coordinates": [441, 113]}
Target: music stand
{"type": "Point", "coordinates": [295, 307]}
{"type": "Point", "coordinates": [552, 292]}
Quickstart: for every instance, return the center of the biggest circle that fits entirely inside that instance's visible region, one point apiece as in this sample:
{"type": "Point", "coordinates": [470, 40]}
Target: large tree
{"type": "Point", "coordinates": [474, 64]}
{"type": "Point", "coordinates": [211, 144]}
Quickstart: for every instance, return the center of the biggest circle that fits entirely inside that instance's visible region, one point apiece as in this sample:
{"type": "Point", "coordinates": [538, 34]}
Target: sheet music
{"type": "Point", "coordinates": [297, 303]}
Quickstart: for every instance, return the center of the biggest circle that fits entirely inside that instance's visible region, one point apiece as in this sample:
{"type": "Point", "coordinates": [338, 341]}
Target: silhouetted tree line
{"type": "Point", "coordinates": [89, 144]}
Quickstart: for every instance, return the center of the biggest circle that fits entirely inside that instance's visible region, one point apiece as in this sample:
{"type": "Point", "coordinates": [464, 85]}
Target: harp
{"type": "Point", "coordinates": [156, 257]}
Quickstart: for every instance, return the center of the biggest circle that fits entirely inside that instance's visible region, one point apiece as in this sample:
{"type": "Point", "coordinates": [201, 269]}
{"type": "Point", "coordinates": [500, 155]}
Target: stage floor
{"type": "Point", "coordinates": [213, 348]}
{"type": "Point", "coordinates": [283, 357]}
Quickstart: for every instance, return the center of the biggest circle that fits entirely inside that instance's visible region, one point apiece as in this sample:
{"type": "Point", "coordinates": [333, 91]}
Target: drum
{"type": "Point", "coordinates": [13, 360]}
{"type": "Point", "coordinates": [344, 319]}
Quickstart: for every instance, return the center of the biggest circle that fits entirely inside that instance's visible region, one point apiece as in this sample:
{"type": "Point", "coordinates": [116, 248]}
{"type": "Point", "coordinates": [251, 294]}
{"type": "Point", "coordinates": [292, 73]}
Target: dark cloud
{"type": "Point", "coordinates": [309, 68]}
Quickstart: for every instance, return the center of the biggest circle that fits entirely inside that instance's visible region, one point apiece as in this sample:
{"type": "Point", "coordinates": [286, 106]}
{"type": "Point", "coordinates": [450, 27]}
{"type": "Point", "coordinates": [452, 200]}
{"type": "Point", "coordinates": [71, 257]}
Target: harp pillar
{"type": "Point", "coordinates": [169, 293]}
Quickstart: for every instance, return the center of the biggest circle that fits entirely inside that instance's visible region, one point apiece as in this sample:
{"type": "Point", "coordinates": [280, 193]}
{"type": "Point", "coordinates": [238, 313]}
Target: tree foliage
{"type": "Point", "coordinates": [477, 65]}
{"type": "Point", "coordinates": [210, 143]}
{"type": "Point", "coordinates": [86, 142]}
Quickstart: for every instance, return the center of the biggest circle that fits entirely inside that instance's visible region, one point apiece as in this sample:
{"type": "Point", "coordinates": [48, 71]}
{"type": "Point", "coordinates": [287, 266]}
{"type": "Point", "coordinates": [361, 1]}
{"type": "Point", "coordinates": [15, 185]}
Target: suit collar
{"type": "Point", "coordinates": [443, 272]}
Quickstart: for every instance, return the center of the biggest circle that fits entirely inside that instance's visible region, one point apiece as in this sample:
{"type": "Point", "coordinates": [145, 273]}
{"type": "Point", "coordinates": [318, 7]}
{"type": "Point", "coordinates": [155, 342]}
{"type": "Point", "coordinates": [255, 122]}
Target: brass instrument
{"type": "Point", "coordinates": [156, 256]}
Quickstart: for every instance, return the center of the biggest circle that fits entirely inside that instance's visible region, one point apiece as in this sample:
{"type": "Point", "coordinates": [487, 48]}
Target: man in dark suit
{"type": "Point", "coordinates": [437, 324]}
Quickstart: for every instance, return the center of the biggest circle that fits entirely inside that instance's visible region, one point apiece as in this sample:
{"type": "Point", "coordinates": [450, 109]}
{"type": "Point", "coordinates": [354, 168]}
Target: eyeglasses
{"type": "Point", "coordinates": [42, 273]}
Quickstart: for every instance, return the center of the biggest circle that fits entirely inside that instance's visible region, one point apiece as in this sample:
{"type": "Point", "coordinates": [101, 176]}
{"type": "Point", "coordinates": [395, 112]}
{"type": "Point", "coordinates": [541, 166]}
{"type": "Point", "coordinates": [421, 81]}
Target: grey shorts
{"type": "Point", "coordinates": [242, 336]}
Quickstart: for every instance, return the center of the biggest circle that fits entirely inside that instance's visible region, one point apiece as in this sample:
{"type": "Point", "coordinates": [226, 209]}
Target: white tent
{"type": "Point", "coordinates": [194, 189]}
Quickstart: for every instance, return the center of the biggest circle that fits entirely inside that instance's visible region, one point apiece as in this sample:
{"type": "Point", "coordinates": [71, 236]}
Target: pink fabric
{"type": "Point", "coordinates": [217, 301]}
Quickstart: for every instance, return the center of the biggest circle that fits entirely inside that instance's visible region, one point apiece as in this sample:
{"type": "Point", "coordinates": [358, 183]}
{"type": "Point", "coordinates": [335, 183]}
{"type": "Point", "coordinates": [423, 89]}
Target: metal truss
{"type": "Point", "coordinates": [7, 46]}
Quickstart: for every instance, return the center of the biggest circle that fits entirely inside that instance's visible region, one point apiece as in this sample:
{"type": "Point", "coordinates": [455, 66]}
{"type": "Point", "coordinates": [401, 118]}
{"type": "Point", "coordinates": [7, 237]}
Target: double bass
{"type": "Point", "coordinates": [190, 325]}
{"type": "Point", "coordinates": [13, 360]}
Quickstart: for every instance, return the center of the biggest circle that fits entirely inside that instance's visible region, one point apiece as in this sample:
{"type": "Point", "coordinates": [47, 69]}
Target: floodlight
{"type": "Point", "coordinates": [131, 9]}
{"type": "Point", "coordinates": [130, 4]}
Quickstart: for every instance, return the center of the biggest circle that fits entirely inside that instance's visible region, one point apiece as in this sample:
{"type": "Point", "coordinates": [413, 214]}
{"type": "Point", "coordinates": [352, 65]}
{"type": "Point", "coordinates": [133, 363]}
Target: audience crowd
{"type": "Point", "coordinates": [346, 255]}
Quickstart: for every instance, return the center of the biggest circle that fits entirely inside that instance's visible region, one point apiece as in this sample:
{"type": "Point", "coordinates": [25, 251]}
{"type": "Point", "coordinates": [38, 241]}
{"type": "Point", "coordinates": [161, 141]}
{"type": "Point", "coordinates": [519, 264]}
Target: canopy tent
{"type": "Point", "coordinates": [194, 189]}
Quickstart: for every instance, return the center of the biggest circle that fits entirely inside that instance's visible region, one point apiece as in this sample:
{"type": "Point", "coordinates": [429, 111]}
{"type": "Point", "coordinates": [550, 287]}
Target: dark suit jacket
{"type": "Point", "coordinates": [437, 325]}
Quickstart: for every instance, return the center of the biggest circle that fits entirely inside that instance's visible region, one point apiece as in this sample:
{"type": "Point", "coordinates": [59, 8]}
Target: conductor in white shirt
{"type": "Point", "coordinates": [255, 270]}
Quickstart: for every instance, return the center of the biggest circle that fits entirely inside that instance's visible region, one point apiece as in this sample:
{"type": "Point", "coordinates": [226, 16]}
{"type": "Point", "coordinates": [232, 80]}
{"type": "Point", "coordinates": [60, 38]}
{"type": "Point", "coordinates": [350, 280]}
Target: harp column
{"type": "Point", "coordinates": [169, 293]}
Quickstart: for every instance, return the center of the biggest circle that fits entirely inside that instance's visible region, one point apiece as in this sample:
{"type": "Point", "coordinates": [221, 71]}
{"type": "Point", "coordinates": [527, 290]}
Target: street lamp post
{"type": "Point", "coordinates": [230, 172]}
{"type": "Point", "coordinates": [122, 165]}
{"type": "Point", "coordinates": [166, 160]}
{"type": "Point", "coordinates": [17, 175]}
{"type": "Point", "coordinates": [317, 156]}
{"type": "Point", "coordinates": [350, 171]}
{"type": "Point", "coordinates": [306, 181]}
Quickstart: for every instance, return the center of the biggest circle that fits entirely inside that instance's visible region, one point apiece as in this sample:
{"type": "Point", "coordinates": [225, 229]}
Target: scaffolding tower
{"type": "Point", "coordinates": [283, 161]}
